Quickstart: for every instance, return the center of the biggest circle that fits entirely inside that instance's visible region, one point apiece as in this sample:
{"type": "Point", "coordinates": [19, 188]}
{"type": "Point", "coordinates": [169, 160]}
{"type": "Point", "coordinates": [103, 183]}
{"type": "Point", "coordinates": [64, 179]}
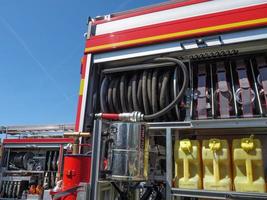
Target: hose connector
{"type": "Point", "coordinates": [128, 117]}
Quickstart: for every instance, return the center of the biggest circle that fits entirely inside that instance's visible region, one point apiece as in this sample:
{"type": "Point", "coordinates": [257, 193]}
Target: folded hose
{"type": "Point", "coordinates": [150, 91]}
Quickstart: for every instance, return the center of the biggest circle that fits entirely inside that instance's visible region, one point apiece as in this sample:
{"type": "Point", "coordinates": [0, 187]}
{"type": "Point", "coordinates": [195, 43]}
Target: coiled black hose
{"type": "Point", "coordinates": [149, 91]}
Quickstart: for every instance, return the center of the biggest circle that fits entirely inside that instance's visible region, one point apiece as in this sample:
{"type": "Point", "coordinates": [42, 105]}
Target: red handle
{"type": "Point", "coordinates": [111, 116]}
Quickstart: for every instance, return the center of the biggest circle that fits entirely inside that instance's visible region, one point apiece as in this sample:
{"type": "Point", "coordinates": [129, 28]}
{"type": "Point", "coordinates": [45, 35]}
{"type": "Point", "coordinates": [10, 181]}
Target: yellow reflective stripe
{"type": "Point", "coordinates": [81, 87]}
{"type": "Point", "coordinates": [177, 34]}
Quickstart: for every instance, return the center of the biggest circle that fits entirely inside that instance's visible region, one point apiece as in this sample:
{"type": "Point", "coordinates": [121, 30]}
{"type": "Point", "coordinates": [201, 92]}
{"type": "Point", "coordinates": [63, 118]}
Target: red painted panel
{"type": "Point", "coordinates": [38, 140]}
{"type": "Point", "coordinates": [156, 8]}
{"type": "Point", "coordinates": [77, 169]}
{"type": "Point", "coordinates": [227, 17]}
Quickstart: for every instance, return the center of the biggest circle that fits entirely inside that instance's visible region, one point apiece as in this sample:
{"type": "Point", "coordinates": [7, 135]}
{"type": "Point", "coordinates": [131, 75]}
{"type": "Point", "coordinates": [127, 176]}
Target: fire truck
{"type": "Point", "coordinates": [173, 104]}
{"type": "Point", "coordinates": [31, 160]}
{"type": "Point", "coordinates": [175, 98]}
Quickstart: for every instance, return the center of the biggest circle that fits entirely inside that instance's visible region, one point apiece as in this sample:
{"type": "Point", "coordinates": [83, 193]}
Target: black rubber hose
{"type": "Point", "coordinates": [110, 104]}
{"type": "Point", "coordinates": [148, 91]}
{"type": "Point", "coordinates": [129, 96]}
{"type": "Point", "coordinates": [154, 91]}
{"type": "Point", "coordinates": [160, 79]}
{"type": "Point", "coordinates": [103, 95]}
{"type": "Point", "coordinates": [164, 93]}
{"type": "Point", "coordinates": [163, 90]}
{"type": "Point", "coordinates": [139, 94]}
{"type": "Point", "coordinates": [115, 99]}
{"type": "Point", "coordinates": [175, 90]}
{"type": "Point", "coordinates": [167, 101]}
{"type": "Point", "coordinates": [158, 196]}
{"type": "Point", "coordinates": [149, 87]}
{"type": "Point", "coordinates": [172, 96]}
{"type": "Point", "coordinates": [144, 92]}
{"type": "Point", "coordinates": [122, 93]}
{"type": "Point", "coordinates": [134, 93]}
{"type": "Point", "coordinates": [181, 92]}
{"type": "Point", "coordinates": [147, 194]}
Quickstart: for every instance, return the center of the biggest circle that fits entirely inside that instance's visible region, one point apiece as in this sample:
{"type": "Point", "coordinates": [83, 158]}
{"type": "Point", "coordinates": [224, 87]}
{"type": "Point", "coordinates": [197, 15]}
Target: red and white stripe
{"type": "Point", "coordinates": [182, 10]}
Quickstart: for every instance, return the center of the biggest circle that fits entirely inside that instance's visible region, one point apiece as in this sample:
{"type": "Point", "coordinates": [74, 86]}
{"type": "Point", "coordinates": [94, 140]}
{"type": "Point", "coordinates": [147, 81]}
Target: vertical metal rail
{"type": "Point", "coordinates": [255, 86]}
{"type": "Point", "coordinates": [212, 91]}
{"type": "Point", "coordinates": [191, 92]}
{"type": "Point", "coordinates": [233, 87]}
{"type": "Point", "coordinates": [176, 137]}
{"type": "Point", "coordinates": [168, 163]}
{"type": "Point", "coordinates": [95, 159]}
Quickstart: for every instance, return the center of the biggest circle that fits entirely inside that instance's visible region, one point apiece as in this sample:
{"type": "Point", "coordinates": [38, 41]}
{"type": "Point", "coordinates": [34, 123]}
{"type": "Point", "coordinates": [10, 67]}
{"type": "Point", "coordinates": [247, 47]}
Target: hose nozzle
{"type": "Point", "coordinates": [128, 117]}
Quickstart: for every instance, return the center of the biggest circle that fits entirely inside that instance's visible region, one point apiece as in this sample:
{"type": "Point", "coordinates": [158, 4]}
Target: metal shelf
{"type": "Point", "coordinates": [230, 123]}
{"type": "Point", "coordinates": [23, 171]}
{"type": "Point", "coordinates": [6, 198]}
{"type": "Point", "coordinates": [212, 124]}
{"type": "Point", "coordinates": [16, 178]}
{"type": "Point", "coordinates": [217, 194]}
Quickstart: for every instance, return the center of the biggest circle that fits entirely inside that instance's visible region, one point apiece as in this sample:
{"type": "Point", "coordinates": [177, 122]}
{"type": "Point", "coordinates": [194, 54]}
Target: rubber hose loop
{"type": "Point", "coordinates": [149, 88]}
{"type": "Point", "coordinates": [129, 96]}
{"type": "Point", "coordinates": [122, 93]}
{"type": "Point", "coordinates": [110, 104]}
{"type": "Point", "coordinates": [103, 95]}
{"type": "Point", "coordinates": [144, 92]}
{"type": "Point", "coordinates": [115, 100]}
{"type": "Point", "coordinates": [139, 94]}
{"type": "Point", "coordinates": [154, 92]}
{"type": "Point", "coordinates": [134, 93]}
{"type": "Point", "coordinates": [180, 94]}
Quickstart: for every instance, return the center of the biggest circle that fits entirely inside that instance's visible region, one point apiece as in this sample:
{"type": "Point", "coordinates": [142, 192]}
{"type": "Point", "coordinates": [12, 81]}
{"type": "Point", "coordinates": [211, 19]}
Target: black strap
{"type": "Point", "coordinates": [201, 88]}
{"type": "Point", "coordinates": [262, 67]}
{"type": "Point", "coordinates": [244, 85]}
{"type": "Point", "coordinates": [224, 98]}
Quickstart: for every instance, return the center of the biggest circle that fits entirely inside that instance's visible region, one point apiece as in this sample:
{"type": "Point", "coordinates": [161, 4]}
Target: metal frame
{"type": "Point", "coordinates": [95, 159]}
{"type": "Point", "coordinates": [175, 127]}
{"type": "Point", "coordinates": [172, 129]}
{"type": "Point", "coordinates": [217, 194]}
{"type": "Point", "coordinates": [169, 162]}
{"type": "Point", "coordinates": [173, 132]}
{"type": "Point", "coordinates": [212, 124]}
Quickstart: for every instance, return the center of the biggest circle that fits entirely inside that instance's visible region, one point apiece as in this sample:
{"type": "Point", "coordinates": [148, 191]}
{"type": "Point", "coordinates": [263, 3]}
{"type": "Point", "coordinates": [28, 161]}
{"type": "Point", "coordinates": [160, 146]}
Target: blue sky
{"type": "Point", "coordinates": [41, 44]}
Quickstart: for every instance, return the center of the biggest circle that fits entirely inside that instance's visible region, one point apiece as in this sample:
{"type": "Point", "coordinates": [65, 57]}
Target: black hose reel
{"type": "Point", "coordinates": [154, 91]}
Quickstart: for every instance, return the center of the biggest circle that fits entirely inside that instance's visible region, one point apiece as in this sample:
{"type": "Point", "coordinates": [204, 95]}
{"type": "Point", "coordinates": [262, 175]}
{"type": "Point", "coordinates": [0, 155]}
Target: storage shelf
{"type": "Point", "coordinates": [23, 171]}
{"type": "Point", "coordinates": [217, 194]}
{"type": "Point", "coordinates": [16, 178]}
{"type": "Point", "coordinates": [2, 198]}
{"type": "Point", "coordinates": [212, 124]}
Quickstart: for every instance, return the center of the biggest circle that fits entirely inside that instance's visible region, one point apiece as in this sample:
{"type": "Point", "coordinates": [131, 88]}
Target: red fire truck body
{"type": "Point", "coordinates": [171, 21]}
{"type": "Point", "coordinates": [165, 79]}
{"type": "Point", "coordinates": [163, 73]}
